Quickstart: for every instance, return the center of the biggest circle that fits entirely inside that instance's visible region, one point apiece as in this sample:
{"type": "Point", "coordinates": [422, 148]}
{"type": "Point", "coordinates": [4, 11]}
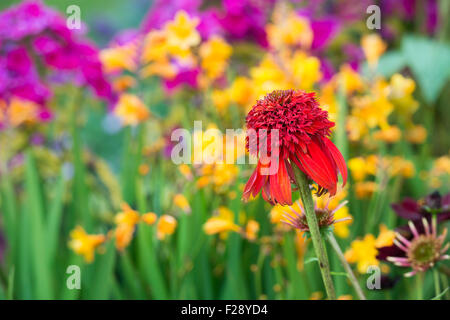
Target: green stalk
{"type": "Point", "coordinates": [437, 285]}
{"type": "Point", "coordinates": [419, 285]}
{"type": "Point", "coordinates": [351, 275]}
{"type": "Point", "coordinates": [313, 225]}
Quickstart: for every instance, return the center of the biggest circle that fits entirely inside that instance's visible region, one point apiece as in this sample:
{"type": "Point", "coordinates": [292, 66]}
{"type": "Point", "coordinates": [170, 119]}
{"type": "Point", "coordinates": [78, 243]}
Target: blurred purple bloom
{"type": "Point", "coordinates": [35, 43]}
{"type": "Point", "coordinates": [184, 77]}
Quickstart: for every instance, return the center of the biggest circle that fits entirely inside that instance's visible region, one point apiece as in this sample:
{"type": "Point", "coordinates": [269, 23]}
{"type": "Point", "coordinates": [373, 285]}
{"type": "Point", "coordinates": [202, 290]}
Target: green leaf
{"type": "Point", "coordinates": [438, 297]}
{"type": "Point", "coordinates": [389, 63]}
{"type": "Point", "coordinates": [429, 63]}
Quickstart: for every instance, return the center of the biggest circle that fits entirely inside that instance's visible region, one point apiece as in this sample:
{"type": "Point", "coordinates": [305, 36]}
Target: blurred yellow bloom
{"type": "Point", "coordinates": [345, 297]}
{"type": "Point", "coordinates": [373, 47]}
{"type": "Point", "coordinates": [390, 134]}
{"type": "Point", "coordinates": [401, 167]}
{"type": "Point", "coordinates": [241, 91]}
{"type": "Point", "coordinates": [22, 111]}
{"type": "Point", "coordinates": [417, 134]}
{"type": "Point", "coordinates": [131, 110]}
{"type": "Point", "coordinates": [305, 70]}
{"type": "Point", "coordinates": [317, 295]}
{"type": "Point", "coordinates": [301, 245]}
{"type": "Point", "coordinates": [363, 252]}
{"type": "Point", "coordinates": [223, 222]}
{"type": "Point", "coordinates": [357, 168]}
{"type": "Point", "coordinates": [400, 93]}
{"type": "Point", "coordinates": [290, 30]}
{"type": "Point", "coordinates": [149, 218]}
{"type": "Point", "coordinates": [185, 170]}
{"type": "Point", "coordinates": [220, 100]}
{"type": "Point", "coordinates": [251, 230]}
{"type": "Point", "coordinates": [181, 202]}
{"type": "Point", "coordinates": [349, 80]}
{"type": "Point", "coordinates": [143, 169]}
{"type": "Point", "coordinates": [365, 189]}
{"type": "Point", "coordinates": [214, 56]}
{"type": "Point", "coordinates": [120, 58]}
{"type": "Point", "coordinates": [85, 244]}
{"type": "Point", "coordinates": [155, 47]}
{"type": "Point", "coordinates": [276, 214]}
{"type": "Point", "coordinates": [124, 83]}
{"type": "Point", "coordinates": [166, 226]}
{"type": "Point", "coordinates": [181, 32]}
{"type": "Point", "coordinates": [126, 222]}
{"type": "Point", "coordinates": [385, 237]}
{"type": "Point", "coordinates": [268, 76]}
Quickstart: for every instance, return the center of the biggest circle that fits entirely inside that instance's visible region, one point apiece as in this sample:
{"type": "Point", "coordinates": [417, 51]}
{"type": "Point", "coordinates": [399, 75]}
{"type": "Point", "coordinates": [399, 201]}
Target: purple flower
{"type": "Point", "coordinates": [35, 43]}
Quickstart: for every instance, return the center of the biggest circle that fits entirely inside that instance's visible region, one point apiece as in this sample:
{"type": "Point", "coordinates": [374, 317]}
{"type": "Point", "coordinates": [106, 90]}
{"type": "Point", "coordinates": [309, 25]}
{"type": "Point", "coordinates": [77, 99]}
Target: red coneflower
{"type": "Point", "coordinates": [303, 130]}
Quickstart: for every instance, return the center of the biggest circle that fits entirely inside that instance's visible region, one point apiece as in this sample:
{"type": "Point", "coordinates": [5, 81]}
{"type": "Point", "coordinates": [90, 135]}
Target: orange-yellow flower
{"type": "Point", "coordinates": [85, 244]}
{"type": "Point", "coordinates": [166, 226]}
{"type": "Point", "coordinates": [252, 229]}
{"type": "Point", "coordinates": [22, 111]}
{"type": "Point", "coordinates": [222, 223]}
{"type": "Point", "coordinates": [131, 110]}
{"type": "Point", "coordinates": [126, 222]}
{"type": "Point", "coordinates": [373, 47]}
{"type": "Point", "coordinates": [181, 202]}
{"type": "Point", "coordinates": [181, 32]}
{"type": "Point", "coordinates": [214, 54]}
{"type": "Point", "coordinates": [149, 218]}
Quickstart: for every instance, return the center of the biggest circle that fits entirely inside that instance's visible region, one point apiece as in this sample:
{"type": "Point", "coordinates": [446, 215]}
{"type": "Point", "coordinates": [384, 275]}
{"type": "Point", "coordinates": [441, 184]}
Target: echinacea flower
{"type": "Point", "coordinates": [423, 250]}
{"type": "Point", "coordinates": [85, 244]}
{"type": "Point", "coordinates": [325, 217]}
{"type": "Point", "coordinates": [303, 130]}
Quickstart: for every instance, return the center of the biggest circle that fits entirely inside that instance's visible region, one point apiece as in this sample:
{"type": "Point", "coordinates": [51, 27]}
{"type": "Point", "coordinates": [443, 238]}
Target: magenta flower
{"type": "Point", "coordinates": [35, 45]}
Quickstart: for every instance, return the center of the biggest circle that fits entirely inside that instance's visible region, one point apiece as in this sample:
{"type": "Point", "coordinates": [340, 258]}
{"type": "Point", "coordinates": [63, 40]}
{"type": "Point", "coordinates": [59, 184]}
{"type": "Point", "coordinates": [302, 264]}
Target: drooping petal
{"type": "Point", "coordinates": [338, 158]}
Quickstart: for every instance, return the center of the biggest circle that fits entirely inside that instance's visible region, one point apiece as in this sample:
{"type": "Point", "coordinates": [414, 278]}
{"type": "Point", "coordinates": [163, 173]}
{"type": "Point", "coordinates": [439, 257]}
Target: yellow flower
{"type": "Point", "coordinates": [220, 100]}
{"type": "Point", "coordinates": [185, 170]}
{"type": "Point", "coordinates": [155, 47]}
{"type": "Point", "coordinates": [276, 214]}
{"type": "Point", "coordinates": [131, 110]}
{"type": "Point", "coordinates": [385, 237]}
{"type": "Point", "coordinates": [373, 47]}
{"type": "Point", "coordinates": [181, 32]}
{"type": "Point", "coordinates": [363, 252]}
{"type": "Point", "coordinates": [22, 111]}
{"type": "Point", "coordinates": [349, 80]}
{"type": "Point", "coordinates": [400, 93]}
{"type": "Point", "coordinates": [290, 30]}
{"type": "Point", "coordinates": [181, 202]}
{"type": "Point", "coordinates": [357, 168]}
{"type": "Point", "coordinates": [124, 83]}
{"type": "Point", "coordinates": [251, 230]}
{"type": "Point", "coordinates": [149, 218]}
{"type": "Point", "coordinates": [143, 169]}
{"type": "Point", "coordinates": [390, 134]}
{"type": "Point", "coordinates": [416, 134]}
{"type": "Point", "coordinates": [120, 58]}
{"type": "Point", "coordinates": [166, 226]}
{"type": "Point", "coordinates": [85, 244]}
{"type": "Point", "coordinates": [365, 189]}
{"type": "Point", "coordinates": [305, 70]}
{"type": "Point", "coordinates": [268, 76]}
{"type": "Point", "coordinates": [241, 91]}
{"type": "Point", "coordinates": [126, 222]}
{"type": "Point", "coordinates": [215, 54]}
{"type": "Point", "coordinates": [301, 245]}
{"type": "Point", "coordinates": [345, 297]}
{"type": "Point", "coordinates": [401, 167]}
{"type": "Point", "coordinates": [223, 222]}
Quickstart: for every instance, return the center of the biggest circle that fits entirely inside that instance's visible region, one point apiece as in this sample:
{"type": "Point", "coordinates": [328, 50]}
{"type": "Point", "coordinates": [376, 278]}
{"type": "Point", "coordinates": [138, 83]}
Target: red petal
{"type": "Point", "coordinates": [338, 158]}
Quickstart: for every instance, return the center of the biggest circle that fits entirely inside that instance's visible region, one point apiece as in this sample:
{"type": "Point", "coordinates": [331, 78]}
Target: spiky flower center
{"type": "Point", "coordinates": [424, 252]}
{"type": "Point", "coordinates": [324, 219]}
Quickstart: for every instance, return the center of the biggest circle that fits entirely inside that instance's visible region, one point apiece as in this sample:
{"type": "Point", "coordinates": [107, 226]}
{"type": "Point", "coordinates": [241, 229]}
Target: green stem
{"type": "Point", "coordinates": [437, 286]}
{"type": "Point", "coordinates": [419, 285]}
{"type": "Point", "coordinates": [318, 244]}
{"type": "Point", "coordinates": [348, 269]}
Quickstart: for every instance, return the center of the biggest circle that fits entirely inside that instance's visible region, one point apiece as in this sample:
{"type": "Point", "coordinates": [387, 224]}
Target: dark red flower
{"type": "Point", "coordinates": [303, 130]}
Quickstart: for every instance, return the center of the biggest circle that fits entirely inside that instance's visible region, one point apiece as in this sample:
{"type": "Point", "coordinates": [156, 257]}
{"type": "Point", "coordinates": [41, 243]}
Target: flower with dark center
{"type": "Point", "coordinates": [303, 129]}
{"type": "Point", "coordinates": [423, 250]}
{"type": "Point", "coordinates": [325, 217]}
